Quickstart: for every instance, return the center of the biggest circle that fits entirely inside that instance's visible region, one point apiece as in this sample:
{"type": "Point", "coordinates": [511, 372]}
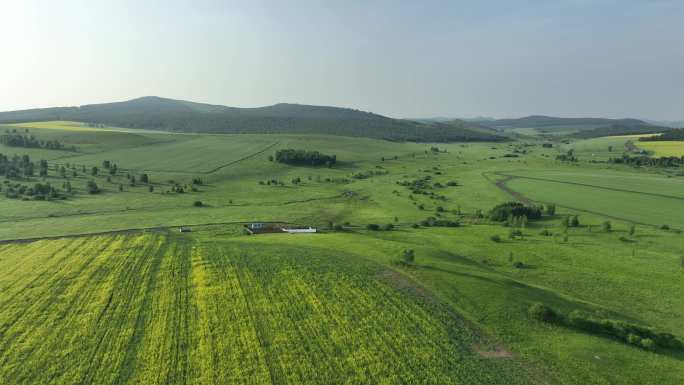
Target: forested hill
{"type": "Point", "coordinates": [585, 127]}
{"type": "Point", "coordinates": [183, 116]}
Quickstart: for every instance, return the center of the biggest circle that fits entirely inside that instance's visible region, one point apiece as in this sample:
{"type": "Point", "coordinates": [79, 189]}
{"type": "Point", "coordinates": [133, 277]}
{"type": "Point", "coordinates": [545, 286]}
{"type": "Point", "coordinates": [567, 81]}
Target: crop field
{"type": "Point", "coordinates": [664, 148]}
{"type": "Point", "coordinates": [148, 309]}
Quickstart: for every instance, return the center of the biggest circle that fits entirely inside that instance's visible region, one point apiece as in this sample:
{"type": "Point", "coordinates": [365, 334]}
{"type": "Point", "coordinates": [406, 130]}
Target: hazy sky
{"type": "Point", "coordinates": [400, 58]}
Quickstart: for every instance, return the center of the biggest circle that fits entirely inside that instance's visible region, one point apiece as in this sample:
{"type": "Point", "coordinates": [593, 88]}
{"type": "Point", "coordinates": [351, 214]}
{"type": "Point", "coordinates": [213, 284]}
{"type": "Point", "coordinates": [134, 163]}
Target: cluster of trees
{"type": "Point", "coordinates": [643, 337]}
{"type": "Point", "coordinates": [368, 174]}
{"type": "Point", "coordinates": [107, 165]}
{"type": "Point", "coordinates": [39, 191]}
{"type": "Point", "coordinates": [417, 186]}
{"type": "Point", "coordinates": [30, 141]}
{"type": "Point", "coordinates": [377, 227]}
{"type": "Point", "coordinates": [571, 221]}
{"type": "Point", "coordinates": [304, 158]}
{"type": "Point", "coordinates": [665, 161]}
{"type": "Point", "coordinates": [676, 134]}
{"type": "Point", "coordinates": [17, 166]}
{"type": "Point", "coordinates": [567, 157]}
{"type": "Point", "coordinates": [505, 211]}
{"type": "Point", "coordinates": [434, 222]}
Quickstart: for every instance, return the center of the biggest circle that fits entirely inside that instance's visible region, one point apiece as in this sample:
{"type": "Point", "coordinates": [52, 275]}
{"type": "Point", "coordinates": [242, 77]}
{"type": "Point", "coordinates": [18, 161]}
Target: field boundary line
{"type": "Point", "coordinates": [527, 200]}
{"type": "Point", "coordinates": [510, 177]}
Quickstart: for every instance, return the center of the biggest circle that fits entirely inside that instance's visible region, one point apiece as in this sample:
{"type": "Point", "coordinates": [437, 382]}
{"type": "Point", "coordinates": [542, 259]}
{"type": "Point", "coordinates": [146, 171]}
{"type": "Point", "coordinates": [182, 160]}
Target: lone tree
{"type": "Point", "coordinates": [607, 226]}
{"type": "Point", "coordinates": [574, 222]}
{"type": "Point", "coordinates": [92, 188]}
{"type": "Point", "coordinates": [632, 229]}
{"type": "Point", "coordinates": [408, 257]}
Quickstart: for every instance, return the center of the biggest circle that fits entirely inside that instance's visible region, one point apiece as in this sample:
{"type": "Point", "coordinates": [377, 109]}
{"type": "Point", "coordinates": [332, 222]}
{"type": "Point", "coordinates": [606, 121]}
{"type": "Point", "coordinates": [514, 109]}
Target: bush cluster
{"type": "Point", "coordinates": [633, 334]}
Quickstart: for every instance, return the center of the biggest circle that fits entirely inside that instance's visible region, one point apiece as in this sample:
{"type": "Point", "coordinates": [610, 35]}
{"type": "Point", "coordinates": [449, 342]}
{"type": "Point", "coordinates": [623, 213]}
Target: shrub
{"type": "Point", "coordinates": [495, 238]}
{"type": "Point", "coordinates": [546, 233]}
{"type": "Point", "coordinates": [664, 227]}
{"type": "Point", "coordinates": [648, 344]}
{"type": "Point", "coordinates": [198, 204]}
{"type": "Point", "coordinates": [388, 227]}
{"type": "Point", "coordinates": [373, 226]}
{"type": "Point", "coordinates": [338, 228]}
{"type": "Point", "coordinates": [408, 257]}
{"type": "Point", "coordinates": [634, 339]}
{"type": "Point", "coordinates": [541, 312]}
{"type": "Point", "coordinates": [518, 265]}
{"type": "Point", "coordinates": [514, 233]}
{"type": "Point", "coordinates": [415, 226]}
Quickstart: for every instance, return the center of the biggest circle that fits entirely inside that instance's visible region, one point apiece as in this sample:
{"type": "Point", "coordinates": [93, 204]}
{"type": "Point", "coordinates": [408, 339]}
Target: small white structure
{"type": "Point", "coordinates": [185, 229]}
{"type": "Point", "coordinates": [300, 231]}
{"type": "Point", "coordinates": [256, 226]}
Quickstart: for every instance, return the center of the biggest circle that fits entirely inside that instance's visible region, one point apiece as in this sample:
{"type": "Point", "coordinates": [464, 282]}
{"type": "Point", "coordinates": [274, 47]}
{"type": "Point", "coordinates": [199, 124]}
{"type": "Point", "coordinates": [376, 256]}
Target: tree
{"type": "Point", "coordinates": [574, 222]}
{"type": "Point", "coordinates": [94, 171]}
{"type": "Point", "coordinates": [632, 229]}
{"type": "Point", "coordinates": [120, 187]}
{"type": "Point", "coordinates": [566, 222]}
{"type": "Point", "coordinates": [373, 226]}
{"type": "Point", "coordinates": [198, 204]}
{"type": "Point", "coordinates": [92, 188]}
{"type": "Point", "coordinates": [606, 226]}
{"type": "Point", "coordinates": [144, 178]}
{"type": "Point", "coordinates": [151, 188]}
{"type": "Point", "coordinates": [408, 257]}
{"type": "Point", "coordinates": [550, 209]}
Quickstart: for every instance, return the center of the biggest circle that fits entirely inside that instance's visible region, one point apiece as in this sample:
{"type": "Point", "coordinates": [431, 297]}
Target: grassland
{"type": "Point", "coordinates": [216, 306]}
{"type": "Point", "coordinates": [639, 198]}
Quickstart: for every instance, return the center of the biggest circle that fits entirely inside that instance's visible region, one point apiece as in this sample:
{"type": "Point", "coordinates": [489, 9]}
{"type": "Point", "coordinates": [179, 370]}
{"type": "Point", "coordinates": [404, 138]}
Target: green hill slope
{"type": "Point", "coordinates": [183, 116]}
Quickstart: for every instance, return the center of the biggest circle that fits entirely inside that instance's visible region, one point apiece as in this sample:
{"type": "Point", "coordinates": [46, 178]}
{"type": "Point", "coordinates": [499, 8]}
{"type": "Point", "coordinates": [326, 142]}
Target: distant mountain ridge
{"type": "Point", "coordinates": [152, 112]}
{"type": "Point", "coordinates": [580, 127]}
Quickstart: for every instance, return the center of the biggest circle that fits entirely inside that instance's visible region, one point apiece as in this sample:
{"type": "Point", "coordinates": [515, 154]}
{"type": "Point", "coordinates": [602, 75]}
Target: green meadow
{"type": "Point", "coordinates": [103, 288]}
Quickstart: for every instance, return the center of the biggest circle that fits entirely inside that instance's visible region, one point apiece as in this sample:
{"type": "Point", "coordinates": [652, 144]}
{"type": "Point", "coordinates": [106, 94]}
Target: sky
{"type": "Point", "coordinates": [506, 58]}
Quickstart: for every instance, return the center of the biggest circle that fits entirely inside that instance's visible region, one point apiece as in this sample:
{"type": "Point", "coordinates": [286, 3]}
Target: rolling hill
{"type": "Point", "coordinates": [583, 127]}
{"type": "Point", "coordinates": [157, 113]}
